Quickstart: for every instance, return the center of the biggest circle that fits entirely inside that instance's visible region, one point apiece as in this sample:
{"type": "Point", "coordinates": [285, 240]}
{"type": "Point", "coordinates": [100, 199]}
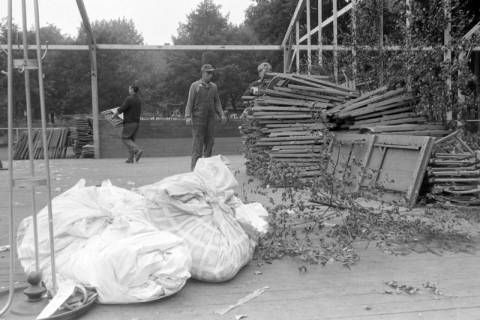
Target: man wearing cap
{"type": "Point", "coordinates": [131, 109]}
{"type": "Point", "coordinates": [202, 105]}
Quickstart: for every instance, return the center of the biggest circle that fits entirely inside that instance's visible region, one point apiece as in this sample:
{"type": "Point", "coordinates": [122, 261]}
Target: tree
{"type": "Point", "coordinates": [207, 25]}
{"type": "Point", "coordinates": [116, 69]}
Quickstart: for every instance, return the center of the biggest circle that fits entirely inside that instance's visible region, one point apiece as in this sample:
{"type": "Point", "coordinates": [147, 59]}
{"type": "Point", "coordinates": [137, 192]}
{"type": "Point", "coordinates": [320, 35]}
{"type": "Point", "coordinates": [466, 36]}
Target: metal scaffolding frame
{"type": "Point", "coordinates": [293, 42]}
{"type": "Point", "coordinates": [26, 65]}
{"type": "Point", "coordinates": [292, 45]}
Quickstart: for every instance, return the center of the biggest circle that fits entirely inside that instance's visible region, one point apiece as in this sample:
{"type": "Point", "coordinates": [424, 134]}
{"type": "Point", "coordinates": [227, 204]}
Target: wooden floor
{"type": "Point", "coordinates": [330, 292]}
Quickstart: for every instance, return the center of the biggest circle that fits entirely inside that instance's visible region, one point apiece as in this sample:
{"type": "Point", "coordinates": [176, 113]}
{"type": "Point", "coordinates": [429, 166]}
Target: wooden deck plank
{"type": "Point", "coordinates": [330, 292]}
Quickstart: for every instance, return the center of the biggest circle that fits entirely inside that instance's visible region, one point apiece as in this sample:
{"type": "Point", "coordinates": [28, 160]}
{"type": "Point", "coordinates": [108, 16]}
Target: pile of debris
{"type": "Point", "coordinates": [454, 172]}
{"type": "Point", "coordinates": [82, 134]}
{"type": "Point", "coordinates": [287, 122]}
{"type": "Point", "coordinates": [57, 140]}
{"type": "Point", "coordinates": [385, 111]}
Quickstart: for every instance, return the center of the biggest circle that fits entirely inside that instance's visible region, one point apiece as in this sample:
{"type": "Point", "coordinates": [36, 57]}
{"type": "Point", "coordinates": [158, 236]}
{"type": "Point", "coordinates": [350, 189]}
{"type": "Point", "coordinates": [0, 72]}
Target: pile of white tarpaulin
{"type": "Point", "coordinates": [142, 245]}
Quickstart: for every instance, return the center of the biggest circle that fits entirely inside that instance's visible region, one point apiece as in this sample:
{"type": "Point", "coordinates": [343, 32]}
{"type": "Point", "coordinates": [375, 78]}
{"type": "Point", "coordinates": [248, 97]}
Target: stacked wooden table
{"type": "Point", "coordinates": [454, 172]}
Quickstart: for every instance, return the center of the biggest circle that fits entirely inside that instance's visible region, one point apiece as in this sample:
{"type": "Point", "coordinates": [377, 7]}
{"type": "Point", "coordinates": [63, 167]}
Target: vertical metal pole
{"type": "Point", "coordinates": [93, 75]}
{"type": "Point", "coordinates": [94, 81]}
{"type": "Point", "coordinates": [309, 39]}
{"type": "Point", "coordinates": [320, 20]}
{"type": "Point", "coordinates": [335, 40]}
{"type": "Point", "coordinates": [409, 40]}
{"type": "Point", "coordinates": [285, 59]}
{"type": "Point", "coordinates": [447, 56]}
{"type": "Point", "coordinates": [297, 41]}
{"type": "Point", "coordinates": [29, 128]}
{"type": "Point", "coordinates": [382, 67]}
{"type": "Point", "coordinates": [11, 226]}
{"type": "Point", "coordinates": [45, 146]}
{"type": "Point", "coordinates": [354, 44]}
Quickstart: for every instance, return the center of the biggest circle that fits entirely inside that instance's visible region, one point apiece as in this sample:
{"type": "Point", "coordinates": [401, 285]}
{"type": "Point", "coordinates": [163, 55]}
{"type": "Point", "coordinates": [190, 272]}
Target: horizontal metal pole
{"type": "Point", "coordinates": [139, 47]}
{"type": "Point", "coordinates": [373, 48]}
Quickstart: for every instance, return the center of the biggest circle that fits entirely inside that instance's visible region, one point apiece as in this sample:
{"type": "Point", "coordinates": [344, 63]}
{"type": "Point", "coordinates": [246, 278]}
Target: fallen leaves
{"type": "Point", "coordinates": [400, 288]}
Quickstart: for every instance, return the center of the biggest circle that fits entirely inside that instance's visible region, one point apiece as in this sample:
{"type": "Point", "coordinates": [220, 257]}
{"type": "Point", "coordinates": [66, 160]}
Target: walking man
{"type": "Point", "coordinates": [131, 109]}
{"type": "Point", "coordinates": [202, 105]}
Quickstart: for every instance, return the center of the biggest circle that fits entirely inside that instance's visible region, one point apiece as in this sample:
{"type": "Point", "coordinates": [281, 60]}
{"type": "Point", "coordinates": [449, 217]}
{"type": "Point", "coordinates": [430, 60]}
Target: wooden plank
{"type": "Point", "coordinates": [380, 106]}
{"type": "Point", "coordinates": [450, 136]}
{"type": "Point", "coordinates": [373, 99]}
{"type": "Point", "coordinates": [293, 116]}
{"type": "Point", "coordinates": [385, 112]}
{"type": "Point", "coordinates": [318, 97]}
{"type": "Point", "coordinates": [289, 133]}
{"type": "Point", "coordinates": [297, 125]}
{"type": "Point", "coordinates": [454, 173]}
{"type": "Point", "coordinates": [389, 125]}
{"type": "Point", "coordinates": [431, 133]}
{"type": "Point", "coordinates": [324, 92]}
{"type": "Point", "coordinates": [286, 102]}
{"type": "Point", "coordinates": [281, 108]}
{"type": "Point", "coordinates": [403, 115]}
{"type": "Point", "coordinates": [285, 143]}
{"type": "Point", "coordinates": [278, 93]}
{"type": "Point", "coordinates": [327, 84]}
{"type": "Point", "coordinates": [363, 97]}
{"type": "Point", "coordinates": [294, 138]}
{"type": "Point", "coordinates": [409, 127]}
{"type": "Point", "coordinates": [419, 171]}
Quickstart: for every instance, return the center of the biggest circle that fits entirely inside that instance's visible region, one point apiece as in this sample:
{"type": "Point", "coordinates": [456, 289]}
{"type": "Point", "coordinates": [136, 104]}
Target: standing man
{"type": "Point", "coordinates": [202, 105]}
{"type": "Point", "coordinates": [131, 109]}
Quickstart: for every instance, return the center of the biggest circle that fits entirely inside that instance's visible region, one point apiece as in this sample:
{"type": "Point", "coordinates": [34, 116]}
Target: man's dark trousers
{"type": "Point", "coordinates": [129, 133]}
{"type": "Point", "coordinates": [203, 132]}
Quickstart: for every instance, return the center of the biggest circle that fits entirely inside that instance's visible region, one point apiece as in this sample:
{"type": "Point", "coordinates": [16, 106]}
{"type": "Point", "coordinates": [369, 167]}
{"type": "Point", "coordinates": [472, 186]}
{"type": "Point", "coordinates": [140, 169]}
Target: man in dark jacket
{"type": "Point", "coordinates": [131, 109]}
{"type": "Point", "coordinates": [202, 105]}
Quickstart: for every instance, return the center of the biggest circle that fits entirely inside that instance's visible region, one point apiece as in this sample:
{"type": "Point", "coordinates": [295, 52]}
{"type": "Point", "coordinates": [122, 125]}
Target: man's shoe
{"type": "Point", "coordinates": [129, 161]}
{"type": "Point", "coordinates": [138, 155]}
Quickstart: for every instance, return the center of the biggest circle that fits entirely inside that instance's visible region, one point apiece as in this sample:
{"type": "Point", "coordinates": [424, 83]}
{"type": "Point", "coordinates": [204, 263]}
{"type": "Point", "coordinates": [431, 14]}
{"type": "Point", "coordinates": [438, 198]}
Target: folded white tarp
{"type": "Point", "coordinates": [200, 207]}
{"type": "Point", "coordinates": [104, 239]}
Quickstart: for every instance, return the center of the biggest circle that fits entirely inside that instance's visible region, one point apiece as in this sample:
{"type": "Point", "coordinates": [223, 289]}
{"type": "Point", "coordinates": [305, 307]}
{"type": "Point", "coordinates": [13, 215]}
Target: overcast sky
{"type": "Point", "coordinates": [157, 20]}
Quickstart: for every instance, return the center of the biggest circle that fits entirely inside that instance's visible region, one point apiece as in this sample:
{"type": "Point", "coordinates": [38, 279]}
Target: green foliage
{"type": "Point", "coordinates": [67, 74]}
{"type": "Point", "coordinates": [206, 25]}
{"type": "Point", "coordinates": [319, 222]}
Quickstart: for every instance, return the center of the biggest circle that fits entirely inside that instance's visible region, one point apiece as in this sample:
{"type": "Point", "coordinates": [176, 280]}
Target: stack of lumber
{"type": "Point", "coordinates": [454, 172]}
{"type": "Point", "coordinates": [385, 111]}
{"type": "Point", "coordinates": [114, 121]}
{"type": "Point", "coordinates": [286, 124]}
{"type": "Point", "coordinates": [88, 151]}
{"type": "Point", "coordinates": [57, 141]}
{"type": "Point", "coordinates": [81, 133]}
